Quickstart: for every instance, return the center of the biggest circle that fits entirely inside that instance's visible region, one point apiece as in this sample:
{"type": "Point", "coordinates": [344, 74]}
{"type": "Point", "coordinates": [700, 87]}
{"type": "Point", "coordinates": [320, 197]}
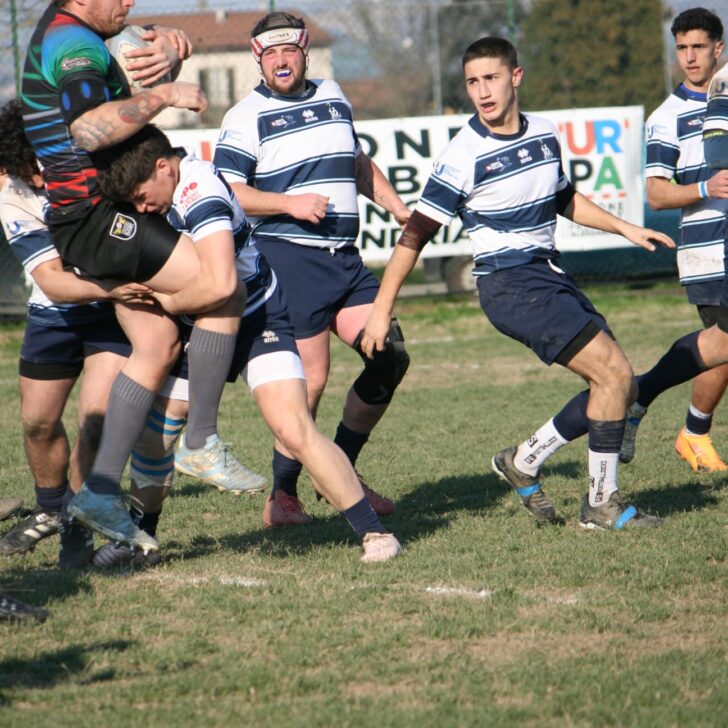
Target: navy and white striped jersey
{"type": "Point", "coordinates": [203, 204]}
{"type": "Point", "coordinates": [23, 210]}
{"type": "Point", "coordinates": [675, 150]}
{"type": "Point", "coordinates": [296, 145]}
{"type": "Point", "coordinates": [503, 188]}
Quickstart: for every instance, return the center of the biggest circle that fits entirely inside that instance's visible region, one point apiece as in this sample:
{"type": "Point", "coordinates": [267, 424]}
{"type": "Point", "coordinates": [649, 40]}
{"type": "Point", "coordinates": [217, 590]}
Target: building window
{"type": "Point", "coordinates": [217, 83]}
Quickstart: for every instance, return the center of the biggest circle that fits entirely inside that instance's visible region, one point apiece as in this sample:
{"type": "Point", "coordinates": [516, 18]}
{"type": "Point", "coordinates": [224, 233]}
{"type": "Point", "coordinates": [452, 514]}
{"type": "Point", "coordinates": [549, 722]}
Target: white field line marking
{"type": "Point", "coordinates": [449, 591]}
{"type": "Point", "coordinates": [202, 580]}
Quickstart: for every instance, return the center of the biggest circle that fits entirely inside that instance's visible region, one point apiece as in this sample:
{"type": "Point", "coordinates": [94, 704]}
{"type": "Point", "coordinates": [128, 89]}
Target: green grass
{"type": "Point", "coordinates": [484, 620]}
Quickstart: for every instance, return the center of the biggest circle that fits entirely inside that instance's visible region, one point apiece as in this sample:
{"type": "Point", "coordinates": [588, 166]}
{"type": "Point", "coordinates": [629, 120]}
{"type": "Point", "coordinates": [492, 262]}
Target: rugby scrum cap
{"type": "Point", "coordinates": [278, 29]}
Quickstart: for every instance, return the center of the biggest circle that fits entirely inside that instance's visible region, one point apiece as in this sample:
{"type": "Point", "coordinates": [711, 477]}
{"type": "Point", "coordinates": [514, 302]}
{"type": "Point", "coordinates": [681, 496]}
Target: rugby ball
{"type": "Point", "coordinates": [119, 45]}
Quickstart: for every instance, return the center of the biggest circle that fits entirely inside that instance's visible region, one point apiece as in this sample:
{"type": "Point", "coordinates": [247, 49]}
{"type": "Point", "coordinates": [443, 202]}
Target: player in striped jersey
{"type": "Point", "coordinates": [675, 154]}
{"type": "Point", "coordinates": [502, 176]}
{"type": "Point", "coordinates": [290, 152]}
{"type": "Point", "coordinates": [146, 171]}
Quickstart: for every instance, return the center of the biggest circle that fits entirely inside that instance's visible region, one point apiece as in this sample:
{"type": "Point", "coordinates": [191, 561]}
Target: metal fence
{"type": "Point", "coordinates": [391, 57]}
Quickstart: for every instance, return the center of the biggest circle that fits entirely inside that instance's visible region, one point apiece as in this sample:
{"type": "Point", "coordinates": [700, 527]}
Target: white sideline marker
{"type": "Point", "coordinates": [247, 582]}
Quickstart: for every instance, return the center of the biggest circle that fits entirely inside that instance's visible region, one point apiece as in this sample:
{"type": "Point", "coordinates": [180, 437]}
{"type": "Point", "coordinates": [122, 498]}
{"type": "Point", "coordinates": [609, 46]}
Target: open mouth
{"type": "Point", "coordinates": [283, 73]}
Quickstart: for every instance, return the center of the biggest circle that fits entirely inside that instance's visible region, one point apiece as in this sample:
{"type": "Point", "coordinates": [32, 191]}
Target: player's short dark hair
{"type": "Point", "coordinates": [123, 167]}
{"type": "Point", "coordinates": [492, 47]}
{"type": "Point", "coordinates": [278, 19]}
{"type": "Point", "coordinates": [698, 19]}
{"type": "Point", "coordinates": [17, 156]}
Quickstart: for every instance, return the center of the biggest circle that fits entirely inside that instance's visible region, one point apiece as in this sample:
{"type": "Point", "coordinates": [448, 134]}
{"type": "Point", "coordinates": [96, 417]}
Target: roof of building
{"type": "Point", "coordinates": [223, 30]}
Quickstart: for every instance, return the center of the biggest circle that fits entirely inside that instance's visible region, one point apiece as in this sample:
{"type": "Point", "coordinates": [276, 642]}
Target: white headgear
{"type": "Point", "coordinates": [279, 36]}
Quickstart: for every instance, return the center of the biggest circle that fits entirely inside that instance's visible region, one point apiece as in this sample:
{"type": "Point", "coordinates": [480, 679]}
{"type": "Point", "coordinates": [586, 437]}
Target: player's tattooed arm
{"type": "Point", "coordinates": [115, 121]}
{"type": "Point", "coordinates": [371, 182]}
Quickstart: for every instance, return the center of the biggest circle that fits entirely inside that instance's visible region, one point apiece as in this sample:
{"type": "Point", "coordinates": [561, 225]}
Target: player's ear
{"type": "Point", "coordinates": [517, 76]}
{"type": "Point", "coordinates": [719, 49]}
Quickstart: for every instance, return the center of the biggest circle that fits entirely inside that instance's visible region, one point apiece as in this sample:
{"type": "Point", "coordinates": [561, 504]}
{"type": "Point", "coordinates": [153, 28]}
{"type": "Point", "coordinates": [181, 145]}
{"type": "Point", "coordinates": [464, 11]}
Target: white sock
{"type": "Point", "coordinates": [532, 453]}
{"type": "Point", "coordinates": [602, 476]}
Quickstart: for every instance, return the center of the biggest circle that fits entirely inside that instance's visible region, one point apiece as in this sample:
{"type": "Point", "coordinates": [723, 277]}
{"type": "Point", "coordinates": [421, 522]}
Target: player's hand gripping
{"type": "Point", "coordinates": [183, 95]}
{"type": "Point", "coordinates": [167, 48]}
{"type": "Point", "coordinates": [718, 185]}
{"type": "Point", "coordinates": [376, 329]}
{"type": "Point", "coordinates": [310, 206]}
{"type": "Point", "coordinates": [128, 292]}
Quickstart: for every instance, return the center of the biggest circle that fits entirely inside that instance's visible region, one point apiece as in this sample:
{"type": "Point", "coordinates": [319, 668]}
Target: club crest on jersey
{"type": "Point", "coordinates": [524, 155]}
{"type": "Point", "coordinates": [333, 112]}
{"type": "Point", "coordinates": [123, 227]}
{"type": "Point", "coordinates": [547, 153]}
{"type": "Point", "coordinates": [309, 115]}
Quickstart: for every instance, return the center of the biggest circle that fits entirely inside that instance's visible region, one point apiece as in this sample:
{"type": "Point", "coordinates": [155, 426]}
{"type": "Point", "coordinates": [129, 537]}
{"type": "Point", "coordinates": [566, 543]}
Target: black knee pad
{"type": "Point", "coordinates": [382, 374]}
{"type": "Point", "coordinates": [721, 318]}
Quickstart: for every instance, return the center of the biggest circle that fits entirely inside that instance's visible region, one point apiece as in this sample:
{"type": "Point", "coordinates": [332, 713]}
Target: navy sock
{"type": "Point", "coordinates": [350, 442]}
{"type": "Point", "coordinates": [606, 435]}
{"type": "Point", "coordinates": [681, 363]}
{"type": "Point", "coordinates": [363, 519]}
{"type": "Point", "coordinates": [698, 425]}
{"type": "Point", "coordinates": [285, 474]}
{"type": "Point", "coordinates": [50, 500]}
{"type": "Point", "coordinates": [66, 500]}
{"type": "Point", "coordinates": [146, 521]}
{"type": "Point", "coordinates": [572, 422]}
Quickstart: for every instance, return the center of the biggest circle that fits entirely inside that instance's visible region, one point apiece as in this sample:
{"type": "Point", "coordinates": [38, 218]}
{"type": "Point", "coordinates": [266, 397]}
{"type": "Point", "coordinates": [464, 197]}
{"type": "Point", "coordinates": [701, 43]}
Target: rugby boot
{"type": "Point", "coordinates": [614, 514]}
{"type": "Point", "coordinates": [214, 464]}
{"type": "Point", "coordinates": [699, 452]}
{"type": "Point", "coordinates": [379, 547]}
{"type": "Point", "coordinates": [526, 486]}
{"type": "Point", "coordinates": [25, 535]}
{"type": "Point", "coordinates": [282, 509]}
{"type": "Point", "coordinates": [77, 546]}
{"type": "Point", "coordinates": [9, 507]}
{"type": "Point", "coordinates": [629, 440]}
{"type": "Point", "coordinates": [14, 611]}
{"type": "Point", "coordinates": [118, 556]}
{"type": "Point", "coordinates": [107, 514]}
{"type": "Point", "coordinates": [380, 504]}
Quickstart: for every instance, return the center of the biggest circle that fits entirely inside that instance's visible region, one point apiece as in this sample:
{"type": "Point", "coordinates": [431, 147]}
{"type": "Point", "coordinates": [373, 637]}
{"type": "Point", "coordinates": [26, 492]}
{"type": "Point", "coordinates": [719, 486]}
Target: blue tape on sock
{"type": "Point", "coordinates": [629, 513]}
{"type": "Point", "coordinates": [528, 490]}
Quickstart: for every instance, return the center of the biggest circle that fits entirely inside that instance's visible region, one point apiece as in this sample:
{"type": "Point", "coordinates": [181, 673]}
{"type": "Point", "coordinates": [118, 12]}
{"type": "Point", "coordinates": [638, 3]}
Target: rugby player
{"type": "Point", "coordinates": [502, 175]}
{"type": "Point", "coordinates": [75, 103]}
{"type": "Point", "coordinates": [678, 177]}
{"type": "Point", "coordinates": [290, 152]}
{"type": "Point", "coordinates": [147, 172]}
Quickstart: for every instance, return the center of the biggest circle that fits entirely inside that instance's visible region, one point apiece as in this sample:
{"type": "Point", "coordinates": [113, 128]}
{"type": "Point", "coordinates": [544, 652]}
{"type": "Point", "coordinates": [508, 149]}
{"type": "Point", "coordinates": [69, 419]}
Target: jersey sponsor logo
{"type": "Point", "coordinates": [123, 227]}
{"type": "Point", "coordinates": [190, 194]}
{"type": "Point", "coordinates": [283, 122]}
{"type": "Point", "coordinates": [445, 170]}
{"type": "Point", "coordinates": [67, 64]}
{"type": "Point", "coordinates": [654, 129]}
{"type": "Point", "coordinates": [270, 337]}
{"type": "Point", "coordinates": [524, 155]}
{"type": "Point", "coordinates": [309, 115]}
{"type": "Point", "coordinates": [696, 122]}
{"type": "Point", "coordinates": [500, 163]}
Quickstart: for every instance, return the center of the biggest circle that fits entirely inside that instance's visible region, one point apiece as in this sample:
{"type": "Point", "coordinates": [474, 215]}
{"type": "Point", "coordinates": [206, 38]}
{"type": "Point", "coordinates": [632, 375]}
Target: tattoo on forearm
{"type": "Point", "coordinates": [365, 179]}
{"type": "Point", "coordinates": [141, 108]}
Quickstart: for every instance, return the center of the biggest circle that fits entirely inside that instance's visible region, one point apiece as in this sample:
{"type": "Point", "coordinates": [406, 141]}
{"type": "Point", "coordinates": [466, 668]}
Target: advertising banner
{"type": "Point", "coordinates": [602, 156]}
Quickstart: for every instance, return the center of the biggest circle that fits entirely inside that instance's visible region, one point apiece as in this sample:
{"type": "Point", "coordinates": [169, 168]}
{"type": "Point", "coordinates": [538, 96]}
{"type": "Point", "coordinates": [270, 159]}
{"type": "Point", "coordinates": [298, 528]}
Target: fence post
{"type": "Point", "coordinates": [16, 50]}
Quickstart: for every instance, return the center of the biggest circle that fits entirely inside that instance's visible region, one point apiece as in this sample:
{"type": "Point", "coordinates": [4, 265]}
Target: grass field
{"type": "Point", "coordinates": [484, 620]}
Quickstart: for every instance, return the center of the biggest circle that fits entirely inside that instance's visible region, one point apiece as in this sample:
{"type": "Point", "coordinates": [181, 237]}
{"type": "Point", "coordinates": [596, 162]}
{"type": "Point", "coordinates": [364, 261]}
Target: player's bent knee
{"type": "Point", "coordinates": [40, 429]}
{"type": "Point", "coordinates": [383, 373]}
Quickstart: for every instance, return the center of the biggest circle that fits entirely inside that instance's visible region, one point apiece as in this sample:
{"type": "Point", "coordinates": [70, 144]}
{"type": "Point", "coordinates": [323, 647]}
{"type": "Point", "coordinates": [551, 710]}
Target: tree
{"type": "Point", "coordinates": [592, 53]}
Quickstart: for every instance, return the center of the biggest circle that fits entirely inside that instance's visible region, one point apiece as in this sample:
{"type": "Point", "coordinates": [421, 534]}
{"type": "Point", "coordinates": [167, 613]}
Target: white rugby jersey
{"type": "Point", "coordinates": [22, 210]}
{"type": "Point", "coordinates": [203, 204]}
{"type": "Point", "coordinates": [503, 188]}
{"type": "Point", "coordinates": [675, 150]}
{"type": "Point", "coordinates": [295, 146]}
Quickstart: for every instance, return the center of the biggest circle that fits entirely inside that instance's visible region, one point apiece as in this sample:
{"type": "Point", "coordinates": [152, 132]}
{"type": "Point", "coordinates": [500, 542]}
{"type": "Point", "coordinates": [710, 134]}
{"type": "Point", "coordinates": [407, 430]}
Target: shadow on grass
{"type": "Point", "coordinates": [42, 587]}
{"type": "Point", "coordinates": [682, 498]}
{"type": "Point", "coordinates": [184, 486]}
{"type": "Point", "coordinates": [58, 666]}
{"type": "Point", "coordinates": [421, 512]}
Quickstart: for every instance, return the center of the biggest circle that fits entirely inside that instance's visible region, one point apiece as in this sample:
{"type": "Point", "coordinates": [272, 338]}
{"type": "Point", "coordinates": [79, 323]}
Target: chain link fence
{"type": "Point", "coordinates": [401, 58]}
